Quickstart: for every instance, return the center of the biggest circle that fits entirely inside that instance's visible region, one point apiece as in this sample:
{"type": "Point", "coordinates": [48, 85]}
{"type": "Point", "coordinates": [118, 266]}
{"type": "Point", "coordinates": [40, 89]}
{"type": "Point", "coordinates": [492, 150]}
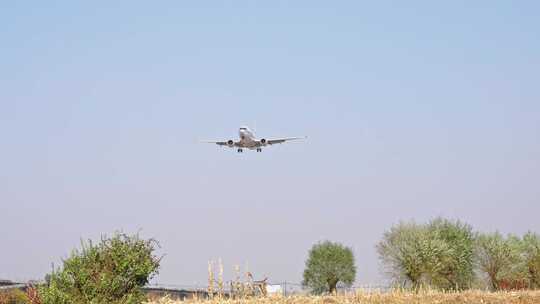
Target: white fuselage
{"type": "Point", "coordinates": [247, 138]}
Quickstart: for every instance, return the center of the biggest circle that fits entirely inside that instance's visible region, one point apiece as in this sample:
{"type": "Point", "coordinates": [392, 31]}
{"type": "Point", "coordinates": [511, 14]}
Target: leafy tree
{"type": "Point", "coordinates": [112, 271]}
{"type": "Point", "coordinates": [412, 256]}
{"type": "Point", "coordinates": [531, 255]}
{"type": "Point", "coordinates": [401, 252]}
{"type": "Point", "coordinates": [457, 271]}
{"type": "Point", "coordinates": [327, 265]}
{"type": "Point", "coordinates": [498, 258]}
{"type": "Point", "coordinates": [439, 254]}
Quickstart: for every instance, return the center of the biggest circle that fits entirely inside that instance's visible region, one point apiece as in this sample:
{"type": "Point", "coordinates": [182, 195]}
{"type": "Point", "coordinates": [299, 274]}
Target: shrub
{"type": "Point", "coordinates": [13, 296]}
{"type": "Point", "coordinates": [112, 271]}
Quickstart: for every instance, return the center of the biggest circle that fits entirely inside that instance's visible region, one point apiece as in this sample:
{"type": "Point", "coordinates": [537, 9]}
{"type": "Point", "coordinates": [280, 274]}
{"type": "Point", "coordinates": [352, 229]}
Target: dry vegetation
{"type": "Point", "coordinates": [397, 297]}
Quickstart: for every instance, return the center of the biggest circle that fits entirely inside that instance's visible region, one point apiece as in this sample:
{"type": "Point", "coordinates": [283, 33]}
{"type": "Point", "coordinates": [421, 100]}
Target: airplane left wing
{"type": "Point", "coordinates": [221, 143]}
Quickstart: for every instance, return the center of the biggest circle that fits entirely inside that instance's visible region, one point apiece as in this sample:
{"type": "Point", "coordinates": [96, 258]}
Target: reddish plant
{"type": "Point", "coordinates": [515, 284]}
{"type": "Point", "coordinates": [33, 295]}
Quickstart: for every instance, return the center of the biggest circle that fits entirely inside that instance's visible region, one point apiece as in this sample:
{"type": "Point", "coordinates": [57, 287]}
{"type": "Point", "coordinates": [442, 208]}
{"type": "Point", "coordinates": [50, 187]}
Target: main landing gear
{"type": "Point", "coordinates": [241, 150]}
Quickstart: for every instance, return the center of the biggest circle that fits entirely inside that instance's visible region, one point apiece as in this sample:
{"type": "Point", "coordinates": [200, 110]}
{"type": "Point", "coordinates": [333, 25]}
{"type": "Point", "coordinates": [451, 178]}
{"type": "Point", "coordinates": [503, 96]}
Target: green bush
{"type": "Point", "coordinates": [112, 271]}
{"type": "Point", "coordinates": [14, 296]}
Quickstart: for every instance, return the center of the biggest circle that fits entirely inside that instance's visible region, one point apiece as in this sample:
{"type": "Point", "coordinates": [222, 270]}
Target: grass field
{"type": "Point", "coordinates": [398, 297]}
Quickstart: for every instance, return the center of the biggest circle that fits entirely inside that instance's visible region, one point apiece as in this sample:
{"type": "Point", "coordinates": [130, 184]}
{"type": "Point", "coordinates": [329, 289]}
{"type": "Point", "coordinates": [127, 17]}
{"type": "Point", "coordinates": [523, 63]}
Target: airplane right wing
{"type": "Point", "coordinates": [282, 140]}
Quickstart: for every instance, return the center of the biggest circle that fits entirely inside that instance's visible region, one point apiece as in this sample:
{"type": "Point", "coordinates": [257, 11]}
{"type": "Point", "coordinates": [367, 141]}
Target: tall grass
{"type": "Point", "coordinates": [395, 297]}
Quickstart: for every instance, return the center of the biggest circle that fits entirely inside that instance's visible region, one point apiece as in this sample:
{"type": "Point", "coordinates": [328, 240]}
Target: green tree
{"type": "Point", "coordinates": [410, 255]}
{"type": "Point", "coordinates": [498, 258]}
{"type": "Point", "coordinates": [457, 271]}
{"type": "Point", "coordinates": [531, 256]}
{"type": "Point", "coordinates": [399, 252]}
{"type": "Point", "coordinates": [327, 265]}
{"type": "Point", "coordinates": [438, 254]}
{"type": "Point", "coordinates": [112, 271]}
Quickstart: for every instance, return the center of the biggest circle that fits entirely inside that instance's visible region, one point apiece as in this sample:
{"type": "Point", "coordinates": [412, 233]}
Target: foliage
{"type": "Point", "coordinates": [457, 271]}
{"type": "Point", "coordinates": [327, 265]}
{"type": "Point", "coordinates": [498, 258]}
{"type": "Point", "coordinates": [439, 254]}
{"type": "Point", "coordinates": [33, 294]}
{"type": "Point", "coordinates": [13, 296]}
{"type": "Point", "coordinates": [402, 252]}
{"type": "Point", "coordinates": [112, 271]}
{"type": "Point", "coordinates": [531, 256]}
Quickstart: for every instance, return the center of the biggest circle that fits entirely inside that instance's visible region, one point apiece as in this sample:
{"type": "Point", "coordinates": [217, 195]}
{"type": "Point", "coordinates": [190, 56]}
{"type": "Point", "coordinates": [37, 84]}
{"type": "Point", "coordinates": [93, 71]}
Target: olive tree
{"type": "Point", "coordinates": [327, 265]}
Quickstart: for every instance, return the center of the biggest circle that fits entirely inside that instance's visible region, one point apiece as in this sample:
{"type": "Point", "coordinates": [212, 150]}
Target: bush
{"type": "Point", "coordinates": [14, 296]}
{"type": "Point", "coordinates": [112, 271]}
{"type": "Point", "coordinates": [327, 265]}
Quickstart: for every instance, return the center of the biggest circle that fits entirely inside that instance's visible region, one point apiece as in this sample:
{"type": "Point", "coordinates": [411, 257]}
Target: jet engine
{"type": "Point", "coordinates": [230, 143]}
{"type": "Point", "coordinates": [264, 142]}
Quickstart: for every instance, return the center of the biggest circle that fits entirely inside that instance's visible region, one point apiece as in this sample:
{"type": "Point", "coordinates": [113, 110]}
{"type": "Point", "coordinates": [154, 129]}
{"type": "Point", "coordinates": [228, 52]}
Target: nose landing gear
{"type": "Point", "coordinates": [259, 150]}
{"type": "Point", "coordinates": [240, 150]}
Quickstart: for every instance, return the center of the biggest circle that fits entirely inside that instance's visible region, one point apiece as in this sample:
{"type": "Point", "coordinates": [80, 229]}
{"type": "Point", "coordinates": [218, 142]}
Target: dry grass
{"type": "Point", "coordinates": [397, 297]}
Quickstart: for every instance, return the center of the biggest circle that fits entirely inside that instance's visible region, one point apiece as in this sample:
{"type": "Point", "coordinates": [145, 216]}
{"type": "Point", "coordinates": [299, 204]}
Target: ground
{"type": "Point", "coordinates": [396, 297]}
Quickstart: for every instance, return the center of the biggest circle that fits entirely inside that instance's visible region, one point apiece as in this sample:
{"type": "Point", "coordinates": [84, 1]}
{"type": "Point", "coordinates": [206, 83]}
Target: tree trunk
{"type": "Point", "coordinates": [332, 285]}
{"type": "Point", "coordinates": [494, 282]}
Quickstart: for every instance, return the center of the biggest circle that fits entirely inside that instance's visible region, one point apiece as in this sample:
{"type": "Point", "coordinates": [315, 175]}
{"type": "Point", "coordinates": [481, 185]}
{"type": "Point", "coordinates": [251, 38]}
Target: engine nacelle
{"type": "Point", "coordinates": [264, 142]}
{"type": "Point", "coordinates": [230, 143]}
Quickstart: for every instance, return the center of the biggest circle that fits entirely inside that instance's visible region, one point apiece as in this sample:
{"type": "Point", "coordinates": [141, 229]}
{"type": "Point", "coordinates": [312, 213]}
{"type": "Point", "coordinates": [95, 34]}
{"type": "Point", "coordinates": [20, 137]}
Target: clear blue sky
{"type": "Point", "coordinates": [413, 110]}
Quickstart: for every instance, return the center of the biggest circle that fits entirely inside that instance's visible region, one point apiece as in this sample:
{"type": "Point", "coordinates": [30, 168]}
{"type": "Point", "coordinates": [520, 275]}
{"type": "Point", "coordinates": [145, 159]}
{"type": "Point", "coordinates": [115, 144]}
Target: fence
{"type": "Point", "coordinates": [189, 291]}
{"type": "Point", "coordinates": [284, 288]}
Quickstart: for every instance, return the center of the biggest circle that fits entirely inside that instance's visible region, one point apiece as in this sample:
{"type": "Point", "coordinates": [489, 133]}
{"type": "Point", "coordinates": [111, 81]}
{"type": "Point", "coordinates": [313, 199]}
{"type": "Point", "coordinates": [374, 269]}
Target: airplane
{"type": "Point", "coordinates": [249, 141]}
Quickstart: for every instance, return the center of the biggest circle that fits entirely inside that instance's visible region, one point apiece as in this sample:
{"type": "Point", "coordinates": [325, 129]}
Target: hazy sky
{"type": "Point", "coordinates": [413, 110]}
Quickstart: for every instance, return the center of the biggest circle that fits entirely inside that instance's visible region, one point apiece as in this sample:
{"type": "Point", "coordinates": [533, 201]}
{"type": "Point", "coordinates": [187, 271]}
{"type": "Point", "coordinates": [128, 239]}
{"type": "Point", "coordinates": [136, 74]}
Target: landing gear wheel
{"type": "Point", "coordinates": [240, 151]}
{"type": "Point", "coordinates": [259, 150]}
